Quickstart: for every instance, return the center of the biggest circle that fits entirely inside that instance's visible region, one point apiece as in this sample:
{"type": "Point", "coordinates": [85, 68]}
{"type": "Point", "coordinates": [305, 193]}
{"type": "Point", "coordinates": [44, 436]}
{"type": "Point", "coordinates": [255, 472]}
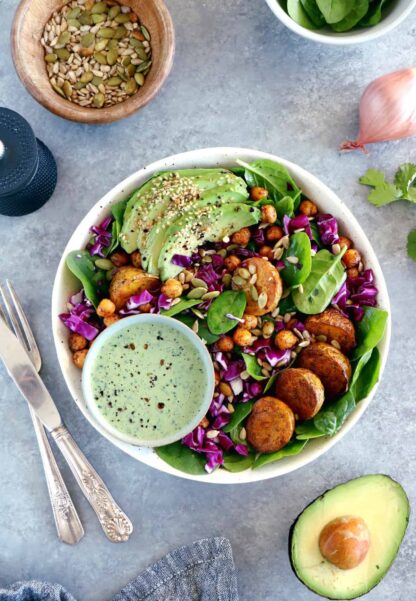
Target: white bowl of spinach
{"type": "Point", "coordinates": [312, 283]}
{"type": "Point", "coordinates": [341, 22]}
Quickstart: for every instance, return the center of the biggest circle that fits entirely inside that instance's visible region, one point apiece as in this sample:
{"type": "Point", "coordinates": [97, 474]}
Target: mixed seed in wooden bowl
{"type": "Point", "coordinates": [97, 53]}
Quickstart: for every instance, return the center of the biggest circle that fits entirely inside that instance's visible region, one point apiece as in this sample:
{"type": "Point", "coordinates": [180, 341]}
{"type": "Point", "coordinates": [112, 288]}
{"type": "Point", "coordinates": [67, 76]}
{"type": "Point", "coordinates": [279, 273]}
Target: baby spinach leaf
{"type": "Point", "coordinates": [182, 458]}
{"type": "Point", "coordinates": [297, 12]}
{"type": "Point", "coordinates": [287, 305]}
{"type": "Point", "coordinates": [184, 303]}
{"type": "Point", "coordinates": [368, 376]}
{"type": "Point", "coordinates": [299, 247]}
{"type": "Point", "coordinates": [233, 462]}
{"type": "Point", "coordinates": [374, 14]}
{"type": "Point", "coordinates": [369, 330]}
{"type": "Point", "coordinates": [82, 266]}
{"type": "Point", "coordinates": [252, 367]}
{"type": "Point", "coordinates": [117, 211]}
{"type": "Point", "coordinates": [313, 12]}
{"type": "Point", "coordinates": [307, 430]}
{"type": "Point", "coordinates": [325, 279]}
{"type": "Point", "coordinates": [292, 448]}
{"type": "Point", "coordinates": [316, 237]}
{"type": "Point", "coordinates": [334, 10]}
{"type": "Point", "coordinates": [242, 410]}
{"type": "Point", "coordinates": [411, 245]}
{"type": "Point", "coordinates": [271, 381]}
{"type": "Point", "coordinates": [358, 10]}
{"type": "Point", "coordinates": [272, 176]}
{"type": "Point", "coordinates": [203, 331]}
{"type": "Point", "coordinates": [284, 206]}
{"type": "Point", "coordinates": [230, 302]}
{"type": "Point", "coordinates": [330, 420]}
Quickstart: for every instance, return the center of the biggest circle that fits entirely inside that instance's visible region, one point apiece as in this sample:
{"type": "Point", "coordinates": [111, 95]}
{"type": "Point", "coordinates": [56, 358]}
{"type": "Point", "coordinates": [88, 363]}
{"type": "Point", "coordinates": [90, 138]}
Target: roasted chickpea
{"type": "Point", "coordinates": [250, 321]}
{"type": "Point", "coordinates": [136, 259]}
{"type": "Point", "coordinates": [351, 258]}
{"type": "Point", "coordinates": [172, 288]}
{"type": "Point", "coordinates": [353, 272]}
{"type": "Point", "coordinates": [217, 377]}
{"type": "Point", "coordinates": [119, 258]}
{"type": "Point", "coordinates": [79, 358]}
{"type": "Point", "coordinates": [242, 337]}
{"type": "Point", "coordinates": [285, 339]}
{"type": "Point", "coordinates": [242, 237]}
{"type": "Point", "coordinates": [226, 389]}
{"type": "Point", "coordinates": [225, 344]}
{"type": "Point", "coordinates": [108, 321]}
{"type": "Point", "coordinates": [106, 308]}
{"type": "Point", "coordinates": [204, 423]}
{"type": "Point", "coordinates": [266, 251]}
{"type": "Point", "coordinates": [145, 308]}
{"type": "Point", "coordinates": [268, 214]}
{"type": "Point", "coordinates": [258, 193]}
{"type": "Point", "coordinates": [77, 342]}
{"type": "Point", "coordinates": [231, 262]}
{"type": "Point", "coordinates": [344, 241]}
{"type": "Point", "coordinates": [309, 208]}
{"type": "Point", "coordinates": [274, 233]}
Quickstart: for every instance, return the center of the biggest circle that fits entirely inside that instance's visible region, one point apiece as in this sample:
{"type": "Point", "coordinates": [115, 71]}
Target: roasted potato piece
{"type": "Point", "coordinates": [301, 390]}
{"type": "Point", "coordinates": [268, 286]}
{"type": "Point", "coordinates": [329, 364]}
{"type": "Point", "coordinates": [335, 326]}
{"type": "Point", "coordinates": [270, 425]}
{"type": "Point", "coordinates": [128, 281]}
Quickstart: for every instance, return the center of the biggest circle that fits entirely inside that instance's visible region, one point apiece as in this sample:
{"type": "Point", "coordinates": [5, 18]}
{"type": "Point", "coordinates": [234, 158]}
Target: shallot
{"type": "Point", "coordinates": [387, 110]}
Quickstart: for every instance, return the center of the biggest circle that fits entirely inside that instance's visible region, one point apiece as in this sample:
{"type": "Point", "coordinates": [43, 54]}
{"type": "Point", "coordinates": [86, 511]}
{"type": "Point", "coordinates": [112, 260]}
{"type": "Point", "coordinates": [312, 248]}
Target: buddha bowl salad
{"type": "Point", "coordinates": [284, 302]}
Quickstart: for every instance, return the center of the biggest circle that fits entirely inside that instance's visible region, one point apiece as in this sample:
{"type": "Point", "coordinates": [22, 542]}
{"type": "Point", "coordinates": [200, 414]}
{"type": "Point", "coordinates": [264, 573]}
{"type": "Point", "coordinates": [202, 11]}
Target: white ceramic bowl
{"type": "Point", "coordinates": [165, 322]}
{"type": "Point", "coordinates": [395, 13]}
{"type": "Point", "coordinates": [65, 285]}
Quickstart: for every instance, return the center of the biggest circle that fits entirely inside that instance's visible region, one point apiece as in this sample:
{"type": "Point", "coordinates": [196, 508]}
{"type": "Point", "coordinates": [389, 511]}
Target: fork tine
{"type": "Point", "coordinates": [17, 316]}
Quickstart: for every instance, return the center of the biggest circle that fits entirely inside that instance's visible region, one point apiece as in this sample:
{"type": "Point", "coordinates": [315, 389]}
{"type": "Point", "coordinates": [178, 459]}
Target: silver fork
{"type": "Point", "coordinates": [68, 524]}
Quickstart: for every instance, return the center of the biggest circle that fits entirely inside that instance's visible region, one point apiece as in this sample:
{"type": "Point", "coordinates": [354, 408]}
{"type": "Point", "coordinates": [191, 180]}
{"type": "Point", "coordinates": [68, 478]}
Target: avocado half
{"type": "Point", "coordinates": [382, 503]}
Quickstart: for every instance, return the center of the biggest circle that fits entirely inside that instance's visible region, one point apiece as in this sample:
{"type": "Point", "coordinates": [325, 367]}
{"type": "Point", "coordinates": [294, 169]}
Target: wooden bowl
{"type": "Point", "coordinates": [28, 56]}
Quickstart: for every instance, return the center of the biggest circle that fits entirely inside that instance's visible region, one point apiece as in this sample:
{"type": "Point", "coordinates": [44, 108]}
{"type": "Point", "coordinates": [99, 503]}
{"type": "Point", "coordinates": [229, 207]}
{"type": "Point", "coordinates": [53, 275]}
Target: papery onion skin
{"type": "Point", "coordinates": [387, 110]}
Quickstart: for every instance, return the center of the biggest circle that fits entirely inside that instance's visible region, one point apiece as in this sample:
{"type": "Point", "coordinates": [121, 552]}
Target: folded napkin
{"type": "Point", "coordinates": [202, 571]}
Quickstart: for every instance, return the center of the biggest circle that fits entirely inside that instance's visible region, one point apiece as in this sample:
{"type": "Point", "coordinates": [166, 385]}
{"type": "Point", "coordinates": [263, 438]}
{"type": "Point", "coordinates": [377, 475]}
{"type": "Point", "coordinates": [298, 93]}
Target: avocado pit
{"type": "Point", "coordinates": [345, 541]}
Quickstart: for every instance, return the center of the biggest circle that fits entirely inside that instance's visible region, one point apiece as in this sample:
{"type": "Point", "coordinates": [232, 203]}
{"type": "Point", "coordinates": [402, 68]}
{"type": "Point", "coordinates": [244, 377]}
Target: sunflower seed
{"type": "Point", "coordinates": [262, 300]}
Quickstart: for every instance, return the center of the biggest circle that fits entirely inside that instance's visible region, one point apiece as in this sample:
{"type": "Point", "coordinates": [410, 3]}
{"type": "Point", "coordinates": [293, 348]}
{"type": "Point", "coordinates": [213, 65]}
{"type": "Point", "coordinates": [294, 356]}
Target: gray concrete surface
{"type": "Point", "coordinates": [239, 79]}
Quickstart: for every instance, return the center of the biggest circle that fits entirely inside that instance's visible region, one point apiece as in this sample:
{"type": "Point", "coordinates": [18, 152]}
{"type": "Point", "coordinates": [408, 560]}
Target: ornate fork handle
{"type": "Point", "coordinates": [114, 522]}
{"type": "Point", "coordinates": [68, 524]}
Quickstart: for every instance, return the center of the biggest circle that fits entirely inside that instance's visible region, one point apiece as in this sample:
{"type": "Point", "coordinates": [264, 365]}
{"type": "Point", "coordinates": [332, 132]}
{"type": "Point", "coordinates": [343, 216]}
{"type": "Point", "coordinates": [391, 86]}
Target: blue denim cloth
{"type": "Point", "coordinates": [203, 571]}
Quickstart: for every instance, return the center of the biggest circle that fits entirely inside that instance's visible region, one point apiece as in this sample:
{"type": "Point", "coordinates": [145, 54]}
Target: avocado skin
{"type": "Point", "coordinates": [292, 529]}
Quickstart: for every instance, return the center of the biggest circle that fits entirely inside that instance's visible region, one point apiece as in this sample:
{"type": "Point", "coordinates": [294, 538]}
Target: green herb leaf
{"type": "Point", "coordinates": [411, 245]}
{"type": "Point", "coordinates": [82, 266]}
{"type": "Point", "coordinates": [373, 178]}
{"type": "Point", "coordinates": [252, 367]}
{"type": "Point", "coordinates": [272, 176]}
{"type": "Point", "coordinates": [184, 303]}
{"type": "Point", "coordinates": [299, 247]}
{"type": "Point", "coordinates": [292, 448]}
{"type": "Point", "coordinates": [405, 177]}
{"type": "Point", "coordinates": [182, 458]}
{"type": "Point", "coordinates": [233, 462]}
{"type": "Point", "coordinates": [242, 410]}
{"type": "Point", "coordinates": [230, 302]}
{"type": "Point", "coordinates": [384, 192]}
{"type": "Point", "coordinates": [369, 330]}
{"type": "Point", "coordinates": [325, 279]}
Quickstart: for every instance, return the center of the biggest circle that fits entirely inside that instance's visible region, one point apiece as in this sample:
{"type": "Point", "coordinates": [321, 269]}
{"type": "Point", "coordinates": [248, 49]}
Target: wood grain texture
{"type": "Point", "coordinates": [28, 56]}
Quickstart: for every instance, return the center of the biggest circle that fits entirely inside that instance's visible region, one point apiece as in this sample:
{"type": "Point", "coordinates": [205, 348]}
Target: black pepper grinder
{"type": "Point", "coordinates": [27, 167]}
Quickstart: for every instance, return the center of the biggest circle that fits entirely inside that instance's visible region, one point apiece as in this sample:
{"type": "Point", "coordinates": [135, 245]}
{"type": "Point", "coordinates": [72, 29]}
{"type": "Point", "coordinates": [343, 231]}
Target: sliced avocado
{"type": "Point", "coordinates": [210, 224]}
{"type": "Point", "coordinates": [156, 238]}
{"type": "Point", "coordinates": [148, 204]}
{"type": "Point", "coordinates": [382, 504]}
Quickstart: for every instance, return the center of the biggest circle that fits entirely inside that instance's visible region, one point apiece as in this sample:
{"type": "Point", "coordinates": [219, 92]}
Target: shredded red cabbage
{"type": "Point", "coordinates": [80, 311]}
{"type": "Point", "coordinates": [328, 229]}
{"type": "Point", "coordinates": [102, 239]}
{"type": "Point", "coordinates": [300, 222]}
{"type": "Point", "coordinates": [182, 261]}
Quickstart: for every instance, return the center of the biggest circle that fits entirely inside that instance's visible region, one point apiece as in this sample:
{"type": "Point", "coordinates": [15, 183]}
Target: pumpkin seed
{"type": "Point", "coordinates": [197, 292]}
{"type": "Point", "coordinates": [114, 81]}
{"type": "Point", "coordinates": [141, 53]}
{"type": "Point", "coordinates": [113, 45]}
{"type": "Point", "coordinates": [112, 56]}
{"type": "Point", "coordinates": [135, 43]}
{"type": "Point", "coordinates": [51, 57]}
{"type": "Point", "coordinates": [226, 278]}
{"type": "Point", "coordinates": [239, 281]}
{"type": "Point", "coordinates": [99, 8]}
{"type": "Point", "coordinates": [64, 38]}
{"type": "Point", "coordinates": [85, 18]}
{"type": "Point", "coordinates": [243, 272]}
{"type": "Point", "coordinates": [123, 18]}
{"type": "Point", "coordinates": [98, 19]}
{"type": "Point", "coordinates": [87, 40]}
{"type": "Point", "coordinates": [145, 32]}
{"type": "Point", "coordinates": [86, 77]}
{"type": "Point", "coordinates": [106, 32]}
{"type": "Point", "coordinates": [79, 85]}
{"type": "Point", "coordinates": [253, 293]}
{"type": "Point", "coordinates": [74, 23]}
{"type": "Point", "coordinates": [131, 70]}
{"type": "Point", "coordinates": [62, 53]}
{"type": "Point", "coordinates": [67, 89]}
{"type": "Point", "coordinates": [119, 32]}
{"type": "Point", "coordinates": [262, 300]}
{"type": "Point", "coordinates": [198, 283]}
{"type": "Point", "coordinates": [126, 61]}
{"type": "Point", "coordinates": [58, 90]}
{"type": "Point", "coordinates": [211, 295]}
{"type": "Point", "coordinates": [96, 81]}
{"type": "Point", "coordinates": [105, 264]}
{"type": "Point", "coordinates": [100, 57]}
{"type": "Point", "coordinates": [139, 77]}
{"type": "Point", "coordinates": [113, 12]}
{"type": "Point", "coordinates": [253, 279]}
{"type": "Point", "coordinates": [98, 102]}
{"type": "Point", "coordinates": [131, 86]}
{"type": "Point", "coordinates": [73, 13]}
{"type": "Point", "coordinates": [143, 66]}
